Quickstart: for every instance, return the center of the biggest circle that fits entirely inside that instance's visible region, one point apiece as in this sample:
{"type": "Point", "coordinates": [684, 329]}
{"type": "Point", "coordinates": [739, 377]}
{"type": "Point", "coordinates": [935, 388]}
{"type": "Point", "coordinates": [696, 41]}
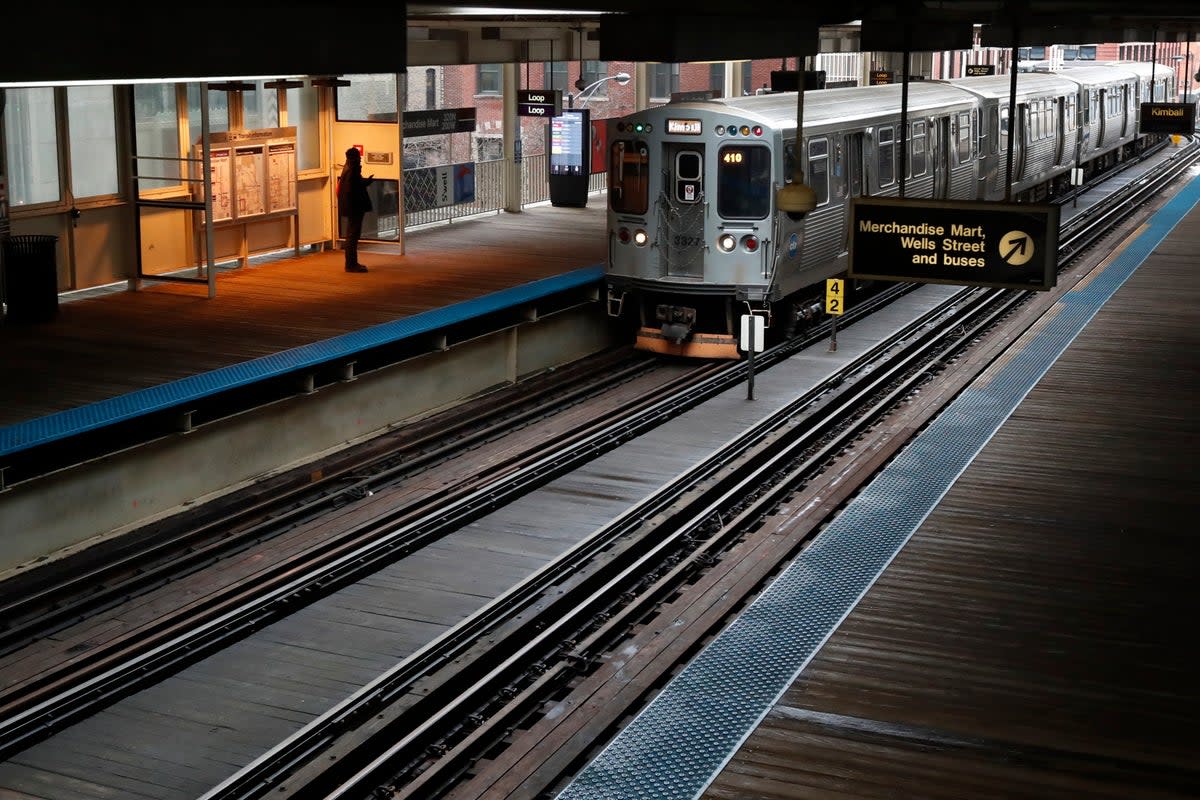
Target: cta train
{"type": "Point", "coordinates": [696, 237]}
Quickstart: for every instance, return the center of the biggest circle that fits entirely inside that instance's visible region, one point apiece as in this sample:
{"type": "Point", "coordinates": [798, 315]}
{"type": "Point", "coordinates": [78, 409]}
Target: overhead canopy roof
{"type": "Point", "coordinates": [309, 38]}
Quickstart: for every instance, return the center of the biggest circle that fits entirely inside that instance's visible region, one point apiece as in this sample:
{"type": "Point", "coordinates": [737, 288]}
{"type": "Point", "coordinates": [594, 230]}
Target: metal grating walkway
{"type": "Point", "coordinates": [685, 737]}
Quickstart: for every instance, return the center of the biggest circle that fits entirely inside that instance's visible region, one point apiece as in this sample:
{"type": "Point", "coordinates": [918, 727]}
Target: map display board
{"type": "Point", "coordinates": [222, 185]}
{"type": "Point", "coordinates": [281, 169]}
{"type": "Point", "coordinates": [253, 174]}
{"type": "Point", "coordinates": [250, 181]}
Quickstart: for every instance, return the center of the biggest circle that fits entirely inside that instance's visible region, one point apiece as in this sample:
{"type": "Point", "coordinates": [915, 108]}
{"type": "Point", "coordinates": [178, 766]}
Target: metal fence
{"type": "Point", "coordinates": [489, 192]}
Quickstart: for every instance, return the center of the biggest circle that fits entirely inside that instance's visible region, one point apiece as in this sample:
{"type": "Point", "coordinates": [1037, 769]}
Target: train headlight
{"type": "Point", "coordinates": [623, 235]}
{"type": "Point", "coordinates": [750, 243]}
{"type": "Point", "coordinates": [640, 238]}
{"type": "Point", "coordinates": [726, 242]}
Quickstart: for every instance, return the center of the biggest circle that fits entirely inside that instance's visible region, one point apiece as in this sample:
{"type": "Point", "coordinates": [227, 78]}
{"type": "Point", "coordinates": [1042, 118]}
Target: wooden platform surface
{"type": "Point", "coordinates": [1035, 638]}
{"type": "Point", "coordinates": [110, 344]}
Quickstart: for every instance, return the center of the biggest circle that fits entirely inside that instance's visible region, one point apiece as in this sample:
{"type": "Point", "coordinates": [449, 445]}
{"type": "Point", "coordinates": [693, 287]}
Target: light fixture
{"type": "Point", "coordinates": [231, 86]}
{"type": "Point", "coordinates": [331, 82]}
{"type": "Point", "coordinates": [284, 83]}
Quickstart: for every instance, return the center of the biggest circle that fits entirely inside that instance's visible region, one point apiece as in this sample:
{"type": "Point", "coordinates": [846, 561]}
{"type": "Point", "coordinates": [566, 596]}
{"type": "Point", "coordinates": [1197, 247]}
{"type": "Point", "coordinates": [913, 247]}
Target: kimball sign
{"type": "Point", "coordinates": [1167, 118]}
{"type": "Point", "coordinates": [966, 243]}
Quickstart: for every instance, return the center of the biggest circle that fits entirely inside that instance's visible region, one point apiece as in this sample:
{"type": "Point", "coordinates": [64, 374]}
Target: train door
{"type": "Point", "coordinates": [683, 212]}
{"type": "Point", "coordinates": [854, 163]}
{"type": "Point", "coordinates": [943, 138]}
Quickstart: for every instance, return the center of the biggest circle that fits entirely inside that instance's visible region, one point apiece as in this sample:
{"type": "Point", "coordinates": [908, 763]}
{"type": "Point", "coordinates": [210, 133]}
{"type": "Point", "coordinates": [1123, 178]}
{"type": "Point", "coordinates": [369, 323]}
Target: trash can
{"type": "Point", "coordinates": [31, 278]}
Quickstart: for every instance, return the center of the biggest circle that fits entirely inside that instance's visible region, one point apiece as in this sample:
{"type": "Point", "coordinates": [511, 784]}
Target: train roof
{"type": "Point", "coordinates": [843, 104]}
{"type": "Point", "coordinates": [1028, 83]}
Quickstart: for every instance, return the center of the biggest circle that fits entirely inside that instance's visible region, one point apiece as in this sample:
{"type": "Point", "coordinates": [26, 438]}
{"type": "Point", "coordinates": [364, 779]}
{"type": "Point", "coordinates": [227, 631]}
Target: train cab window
{"type": "Point", "coordinates": [743, 181]}
{"type": "Point", "coordinates": [689, 176]}
{"type": "Point", "coordinates": [886, 153]}
{"type": "Point", "coordinates": [628, 177]}
{"type": "Point", "coordinates": [962, 137]}
{"type": "Point", "coordinates": [818, 169]}
{"type": "Point", "coordinates": [918, 164]}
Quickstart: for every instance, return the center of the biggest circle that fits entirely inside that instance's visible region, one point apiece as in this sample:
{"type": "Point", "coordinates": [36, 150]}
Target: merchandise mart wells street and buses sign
{"type": "Point", "coordinates": [1009, 245]}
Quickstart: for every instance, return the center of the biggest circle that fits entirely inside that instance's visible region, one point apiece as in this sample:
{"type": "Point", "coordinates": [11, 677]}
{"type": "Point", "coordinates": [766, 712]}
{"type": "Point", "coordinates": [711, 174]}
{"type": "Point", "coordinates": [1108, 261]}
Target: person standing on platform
{"type": "Point", "coordinates": [353, 204]}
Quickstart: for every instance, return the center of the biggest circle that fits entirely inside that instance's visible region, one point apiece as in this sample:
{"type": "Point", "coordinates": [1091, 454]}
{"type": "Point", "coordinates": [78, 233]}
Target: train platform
{"type": "Point", "coordinates": [177, 397]}
{"type": "Point", "coordinates": [1005, 611]}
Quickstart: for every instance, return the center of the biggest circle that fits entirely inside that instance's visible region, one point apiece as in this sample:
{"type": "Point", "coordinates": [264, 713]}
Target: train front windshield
{"type": "Point", "coordinates": [744, 182]}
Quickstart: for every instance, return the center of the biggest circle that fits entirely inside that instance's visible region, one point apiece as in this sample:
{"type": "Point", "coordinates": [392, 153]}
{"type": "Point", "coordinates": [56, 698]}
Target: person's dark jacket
{"type": "Point", "coordinates": [352, 190]}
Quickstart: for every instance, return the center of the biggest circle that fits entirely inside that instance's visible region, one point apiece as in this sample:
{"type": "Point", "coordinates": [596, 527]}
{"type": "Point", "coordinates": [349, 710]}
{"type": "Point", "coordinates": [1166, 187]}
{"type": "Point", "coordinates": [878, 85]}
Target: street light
{"type": "Point", "coordinates": [621, 78]}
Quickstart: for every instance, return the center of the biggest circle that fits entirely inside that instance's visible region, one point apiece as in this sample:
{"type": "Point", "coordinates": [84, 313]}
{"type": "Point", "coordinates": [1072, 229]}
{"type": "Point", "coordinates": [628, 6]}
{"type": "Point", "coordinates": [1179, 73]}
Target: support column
{"type": "Point", "coordinates": [514, 166]}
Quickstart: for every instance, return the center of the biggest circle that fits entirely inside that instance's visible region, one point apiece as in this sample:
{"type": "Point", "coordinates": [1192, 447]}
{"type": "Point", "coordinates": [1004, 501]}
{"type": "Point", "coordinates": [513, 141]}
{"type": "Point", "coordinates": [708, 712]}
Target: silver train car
{"type": "Point", "coordinates": [696, 238]}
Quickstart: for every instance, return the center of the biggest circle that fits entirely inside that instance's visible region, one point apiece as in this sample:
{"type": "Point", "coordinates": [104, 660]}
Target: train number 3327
{"type": "Point", "coordinates": [686, 241]}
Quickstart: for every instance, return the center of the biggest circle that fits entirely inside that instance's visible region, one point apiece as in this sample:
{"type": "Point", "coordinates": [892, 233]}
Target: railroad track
{"type": "Point", "coordinates": [525, 662]}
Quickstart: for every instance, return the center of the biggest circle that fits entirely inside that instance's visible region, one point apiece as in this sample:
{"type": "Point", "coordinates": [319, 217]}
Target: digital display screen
{"type": "Point", "coordinates": [690, 127]}
{"type": "Point", "coordinates": [569, 151]}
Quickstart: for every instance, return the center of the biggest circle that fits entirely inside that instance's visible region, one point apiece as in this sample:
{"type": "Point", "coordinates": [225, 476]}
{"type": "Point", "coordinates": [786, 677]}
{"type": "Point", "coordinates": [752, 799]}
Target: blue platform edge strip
{"type": "Point", "coordinates": [60, 425]}
{"type": "Point", "coordinates": [683, 739]}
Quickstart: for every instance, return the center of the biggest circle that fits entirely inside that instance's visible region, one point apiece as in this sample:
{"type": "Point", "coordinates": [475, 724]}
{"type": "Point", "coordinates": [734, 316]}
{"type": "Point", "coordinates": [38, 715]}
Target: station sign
{"type": "Point", "coordinates": [441, 120]}
{"type": "Point", "coordinates": [882, 77]}
{"type": "Point", "coordinates": [1008, 245]}
{"type": "Point", "coordinates": [977, 70]}
{"type": "Point", "coordinates": [1167, 118]}
{"type": "Point", "coordinates": [539, 102]}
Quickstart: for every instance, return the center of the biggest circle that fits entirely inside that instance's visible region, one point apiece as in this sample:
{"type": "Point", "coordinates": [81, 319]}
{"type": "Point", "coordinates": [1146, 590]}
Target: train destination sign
{"type": "Point", "coordinates": [539, 102]}
{"type": "Point", "coordinates": [976, 70]}
{"type": "Point", "coordinates": [1008, 245]}
{"type": "Point", "coordinates": [1167, 118]}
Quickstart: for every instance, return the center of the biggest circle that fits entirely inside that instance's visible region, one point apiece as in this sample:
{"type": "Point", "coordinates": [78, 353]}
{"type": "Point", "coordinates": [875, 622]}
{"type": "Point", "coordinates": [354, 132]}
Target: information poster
{"type": "Point", "coordinates": [281, 185]}
{"type": "Point", "coordinates": [222, 186]}
{"type": "Point", "coordinates": [250, 180]}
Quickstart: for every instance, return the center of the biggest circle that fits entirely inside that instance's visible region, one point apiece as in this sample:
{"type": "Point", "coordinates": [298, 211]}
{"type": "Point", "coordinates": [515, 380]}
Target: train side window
{"type": "Point", "coordinates": [1003, 129]}
{"type": "Point", "coordinates": [886, 155]}
{"type": "Point", "coordinates": [628, 177]}
{"type": "Point", "coordinates": [818, 169]}
{"type": "Point", "coordinates": [962, 137]}
{"type": "Point", "coordinates": [744, 181]}
{"type": "Point", "coordinates": [918, 161]}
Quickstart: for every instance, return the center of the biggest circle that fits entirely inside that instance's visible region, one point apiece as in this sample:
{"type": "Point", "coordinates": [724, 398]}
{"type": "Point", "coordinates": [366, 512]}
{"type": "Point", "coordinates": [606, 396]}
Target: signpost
{"type": "Point", "coordinates": [835, 306]}
{"type": "Point", "coordinates": [753, 333]}
{"type": "Point", "coordinates": [539, 102]}
{"type": "Point", "coordinates": [1007, 245]}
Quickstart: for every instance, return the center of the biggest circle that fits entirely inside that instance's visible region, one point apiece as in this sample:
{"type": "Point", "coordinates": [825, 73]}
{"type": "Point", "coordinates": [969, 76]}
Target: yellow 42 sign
{"type": "Point", "coordinates": [835, 294]}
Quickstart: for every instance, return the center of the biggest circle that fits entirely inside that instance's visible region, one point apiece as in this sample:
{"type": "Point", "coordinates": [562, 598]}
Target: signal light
{"type": "Point", "coordinates": [758, 130]}
{"type": "Point", "coordinates": [720, 130]}
{"type": "Point", "coordinates": [745, 130]}
{"type": "Point", "coordinates": [623, 235]}
{"type": "Point", "coordinates": [726, 242]}
{"type": "Point", "coordinates": [750, 243]}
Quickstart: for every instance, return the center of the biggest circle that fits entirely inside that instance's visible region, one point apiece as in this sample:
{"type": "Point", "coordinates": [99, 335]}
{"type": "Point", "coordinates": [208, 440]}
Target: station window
{"type": "Point", "coordinates": [260, 108]}
{"type": "Point", "coordinates": [744, 182]}
{"type": "Point", "coordinates": [303, 113]}
{"type": "Point", "coordinates": [92, 121]}
{"type": "Point", "coordinates": [218, 112]}
{"type": "Point", "coordinates": [664, 79]}
{"type": "Point", "coordinates": [628, 177]}
{"type": "Point", "coordinates": [592, 71]}
{"type": "Point", "coordinates": [818, 169]}
{"type": "Point", "coordinates": [885, 146]}
{"type": "Point", "coordinates": [31, 143]}
{"type": "Point", "coordinates": [156, 109]}
{"type": "Point", "coordinates": [554, 76]}
{"type": "Point", "coordinates": [368, 98]}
